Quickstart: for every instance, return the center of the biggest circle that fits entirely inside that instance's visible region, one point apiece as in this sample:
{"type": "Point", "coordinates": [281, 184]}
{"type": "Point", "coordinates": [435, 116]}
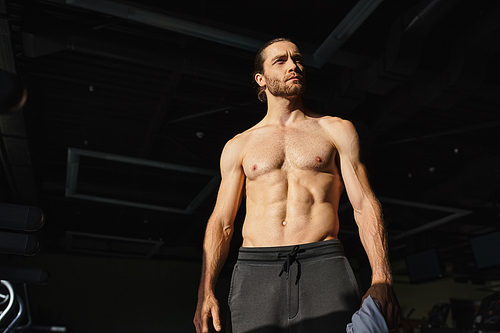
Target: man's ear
{"type": "Point", "coordinates": [260, 79]}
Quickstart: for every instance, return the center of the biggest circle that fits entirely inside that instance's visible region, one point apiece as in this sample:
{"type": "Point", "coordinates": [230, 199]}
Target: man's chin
{"type": "Point", "coordinates": [289, 94]}
{"type": "Point", "coordinates": [297, 90]}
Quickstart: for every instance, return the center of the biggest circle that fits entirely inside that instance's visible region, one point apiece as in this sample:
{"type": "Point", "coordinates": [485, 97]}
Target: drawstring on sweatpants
{"type": "Point", "coordinates": [291, 257]}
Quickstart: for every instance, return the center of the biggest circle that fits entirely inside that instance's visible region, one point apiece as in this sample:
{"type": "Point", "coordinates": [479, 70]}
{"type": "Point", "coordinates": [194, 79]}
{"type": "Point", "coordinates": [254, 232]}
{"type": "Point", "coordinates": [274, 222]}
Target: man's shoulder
{"type": "Point", "coordinates": [236, 148]}
{"type": "Point", "coordinates": [238, 142]}
{"type": "Point", "coordinates": [335, 123]}
{"type": "Point", "coordinates": [341, 132]}
{"type": "Point", "coordinates": [232, 151]}
{"type": "Point", "coordinates": [240, 138]}
{"type": "Point", "coordinates": [244, 136]}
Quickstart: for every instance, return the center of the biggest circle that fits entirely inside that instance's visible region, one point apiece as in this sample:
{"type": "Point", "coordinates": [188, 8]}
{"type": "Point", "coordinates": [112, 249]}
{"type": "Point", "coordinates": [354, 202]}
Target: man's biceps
{"type": "Point", "coordinates": [230, 190]}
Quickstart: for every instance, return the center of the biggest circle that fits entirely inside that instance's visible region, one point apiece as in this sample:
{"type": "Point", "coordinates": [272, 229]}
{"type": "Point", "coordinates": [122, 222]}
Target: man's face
{"type": "Point", "coordinates": [284, 73]}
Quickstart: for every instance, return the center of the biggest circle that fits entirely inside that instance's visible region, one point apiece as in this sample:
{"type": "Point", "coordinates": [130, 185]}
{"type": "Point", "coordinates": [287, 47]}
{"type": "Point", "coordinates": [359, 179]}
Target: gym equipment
{"type": "Point", "coordinates": [19, 223]}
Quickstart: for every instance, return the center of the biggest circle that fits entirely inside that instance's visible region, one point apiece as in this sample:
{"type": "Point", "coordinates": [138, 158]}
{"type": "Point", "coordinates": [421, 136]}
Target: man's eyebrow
{"type": "Point", "coordinates": [297, 56]}
{"type": "Point", "coordinates": [277, 57]}
{"type": "Point", "coordinates": [285, 55]}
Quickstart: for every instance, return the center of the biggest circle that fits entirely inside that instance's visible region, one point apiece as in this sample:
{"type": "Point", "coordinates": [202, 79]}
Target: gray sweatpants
{"type": "Point", "coordinates": [303, 288]}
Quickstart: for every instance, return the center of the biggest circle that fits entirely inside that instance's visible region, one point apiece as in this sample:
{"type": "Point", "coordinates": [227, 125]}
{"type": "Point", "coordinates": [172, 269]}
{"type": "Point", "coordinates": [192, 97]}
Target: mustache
{"type": "Point", "coordinates": [294, 75]}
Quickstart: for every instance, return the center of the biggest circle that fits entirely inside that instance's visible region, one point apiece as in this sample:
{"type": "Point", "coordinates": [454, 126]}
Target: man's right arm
{"type": "Point", "coordinates": [218, 235]}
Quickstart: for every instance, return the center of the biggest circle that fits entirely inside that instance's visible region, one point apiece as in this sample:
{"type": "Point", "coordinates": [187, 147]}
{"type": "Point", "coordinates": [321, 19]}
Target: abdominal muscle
{"type": "Point", "coordinates": [291, 207]}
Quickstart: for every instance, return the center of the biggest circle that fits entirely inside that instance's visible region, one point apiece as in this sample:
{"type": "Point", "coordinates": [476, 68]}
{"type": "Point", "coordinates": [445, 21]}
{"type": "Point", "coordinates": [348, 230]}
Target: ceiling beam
{"type": "Point", "coordinates": [351, 22]}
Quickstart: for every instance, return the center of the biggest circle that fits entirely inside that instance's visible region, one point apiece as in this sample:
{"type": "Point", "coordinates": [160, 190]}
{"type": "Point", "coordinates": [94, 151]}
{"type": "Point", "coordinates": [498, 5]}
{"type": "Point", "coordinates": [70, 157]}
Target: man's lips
{"type": "Point", "coordinates": [293, 78]}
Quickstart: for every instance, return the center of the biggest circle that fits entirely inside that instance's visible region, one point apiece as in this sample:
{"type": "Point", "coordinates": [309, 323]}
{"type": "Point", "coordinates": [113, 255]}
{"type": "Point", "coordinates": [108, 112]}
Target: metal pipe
{"type": "Point", "coordinates": [169, 23]}
{"type": "Point", "coordinates": [351, 22]}
{"type": "Point", "coordinates": [430, 13]}
{"type": "Point", "coordinates": [72, 177]}
{"type": "Point", "coordinates": [456, 213]}
{"type": "Point", "coordinates": [443, 133]}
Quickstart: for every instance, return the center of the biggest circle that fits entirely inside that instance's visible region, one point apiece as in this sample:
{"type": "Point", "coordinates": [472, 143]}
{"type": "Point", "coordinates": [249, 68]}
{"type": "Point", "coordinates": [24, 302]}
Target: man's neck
{"type": "Point", "coordinates": [283, 111]}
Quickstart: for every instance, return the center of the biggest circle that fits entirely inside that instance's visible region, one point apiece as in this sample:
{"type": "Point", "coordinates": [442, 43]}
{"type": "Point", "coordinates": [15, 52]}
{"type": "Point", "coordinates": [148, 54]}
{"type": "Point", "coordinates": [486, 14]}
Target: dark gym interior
{"type": "Point", "coordinates": [129, 104]}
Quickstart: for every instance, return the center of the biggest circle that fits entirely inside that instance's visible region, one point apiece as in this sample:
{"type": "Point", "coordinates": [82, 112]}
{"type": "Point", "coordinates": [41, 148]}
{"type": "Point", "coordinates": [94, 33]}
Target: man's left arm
{"type": "Point", "coordinates": [368, 216]}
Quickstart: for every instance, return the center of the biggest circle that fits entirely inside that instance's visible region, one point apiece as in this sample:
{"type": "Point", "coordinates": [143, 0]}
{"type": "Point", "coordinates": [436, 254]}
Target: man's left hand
{"type": "Point", "coordinates": [389, 305]}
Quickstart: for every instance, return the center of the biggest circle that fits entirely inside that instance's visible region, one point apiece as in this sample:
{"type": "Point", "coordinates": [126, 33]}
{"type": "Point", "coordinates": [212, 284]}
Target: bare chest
{"type": "Point", "coordinates": [277, 149]}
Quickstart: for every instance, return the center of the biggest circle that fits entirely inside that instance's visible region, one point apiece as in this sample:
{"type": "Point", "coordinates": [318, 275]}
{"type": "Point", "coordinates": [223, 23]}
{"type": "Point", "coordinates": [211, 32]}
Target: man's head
{"type": "Point", "coordinates": [279, 68]}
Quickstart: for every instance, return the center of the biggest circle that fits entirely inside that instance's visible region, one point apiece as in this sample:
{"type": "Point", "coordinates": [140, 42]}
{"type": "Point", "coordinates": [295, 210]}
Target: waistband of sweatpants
{"type": "Point", "coordinates": [331, 247]}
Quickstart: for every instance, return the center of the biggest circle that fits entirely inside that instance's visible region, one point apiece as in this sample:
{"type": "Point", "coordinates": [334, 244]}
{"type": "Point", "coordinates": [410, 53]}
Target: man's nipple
{"type": "Point", "coordinates": [254, 167]}
{"type": "Point", "coordinates": [284, 223]}
{"type": "Point", "coordinates": [319, 159]}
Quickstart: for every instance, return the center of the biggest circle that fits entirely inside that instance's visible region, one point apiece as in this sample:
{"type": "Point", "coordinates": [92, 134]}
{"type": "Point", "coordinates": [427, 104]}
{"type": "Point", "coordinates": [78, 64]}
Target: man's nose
{"type": "Point", "coordinates": [292, 65]}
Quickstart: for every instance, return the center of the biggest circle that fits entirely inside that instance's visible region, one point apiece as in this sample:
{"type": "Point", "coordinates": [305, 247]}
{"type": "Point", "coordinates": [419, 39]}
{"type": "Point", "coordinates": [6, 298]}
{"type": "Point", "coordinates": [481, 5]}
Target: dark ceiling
{"type": "Point", "coordinates": [130, 104]}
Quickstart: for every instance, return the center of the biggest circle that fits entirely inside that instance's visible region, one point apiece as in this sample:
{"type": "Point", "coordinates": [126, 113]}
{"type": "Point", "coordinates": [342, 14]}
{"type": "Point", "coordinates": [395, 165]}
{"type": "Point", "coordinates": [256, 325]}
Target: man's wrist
{"type": "Point", "coordinates": [381, 276]}
{"type": "Point", "coordinates": [206, 290]}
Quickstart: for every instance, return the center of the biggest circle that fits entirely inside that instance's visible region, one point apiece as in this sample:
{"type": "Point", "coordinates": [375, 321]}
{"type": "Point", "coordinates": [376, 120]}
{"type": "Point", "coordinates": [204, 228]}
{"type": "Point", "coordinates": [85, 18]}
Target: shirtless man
{"type": "Point", "coordinates": [292, 168]}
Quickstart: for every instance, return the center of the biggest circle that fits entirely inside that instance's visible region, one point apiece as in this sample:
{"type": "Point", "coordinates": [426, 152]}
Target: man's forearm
{"type": "Point", "coordinates": [215, 251]}
{"type": "Point", "coordinates": [374, 239]}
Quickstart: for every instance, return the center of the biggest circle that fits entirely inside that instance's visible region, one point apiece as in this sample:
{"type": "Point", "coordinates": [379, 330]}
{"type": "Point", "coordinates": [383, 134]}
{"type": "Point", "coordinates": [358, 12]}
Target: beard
{"type": "Point", "coordinates": [284, 88]}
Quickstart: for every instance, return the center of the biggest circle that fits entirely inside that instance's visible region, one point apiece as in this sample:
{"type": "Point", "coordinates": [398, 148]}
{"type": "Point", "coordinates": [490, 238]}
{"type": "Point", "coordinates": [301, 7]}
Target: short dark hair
{"type": "Point", "coordinates": [258, 65]}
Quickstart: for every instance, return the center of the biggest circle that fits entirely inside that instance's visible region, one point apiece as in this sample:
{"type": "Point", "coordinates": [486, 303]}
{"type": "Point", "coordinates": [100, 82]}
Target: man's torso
{"type": "Point", "coordinates": [293, 183]}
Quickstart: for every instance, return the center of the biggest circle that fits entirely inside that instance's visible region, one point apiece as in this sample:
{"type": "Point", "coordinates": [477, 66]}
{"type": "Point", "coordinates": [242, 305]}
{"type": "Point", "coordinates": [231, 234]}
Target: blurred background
{"type": "Point", "coordinates": [129, 104]}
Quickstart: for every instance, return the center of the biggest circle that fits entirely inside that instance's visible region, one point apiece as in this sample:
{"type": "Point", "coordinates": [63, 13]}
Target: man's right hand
{"type": "Point", "coordinates": [207, 308]}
